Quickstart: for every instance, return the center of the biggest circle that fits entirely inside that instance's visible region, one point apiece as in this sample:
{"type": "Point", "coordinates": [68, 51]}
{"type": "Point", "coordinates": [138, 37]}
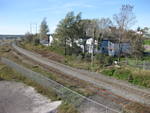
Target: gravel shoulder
{"type": "Point", "coordinates": [18, 98]}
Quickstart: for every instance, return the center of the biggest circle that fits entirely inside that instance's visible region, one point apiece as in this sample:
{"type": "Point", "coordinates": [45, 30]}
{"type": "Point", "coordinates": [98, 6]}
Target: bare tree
{"type": "Point", "coordinates": [104, 29]}
{"type": "Point", "coordinates": [124, 20]}
{"type": "Point", "coordinates": [104, 25]}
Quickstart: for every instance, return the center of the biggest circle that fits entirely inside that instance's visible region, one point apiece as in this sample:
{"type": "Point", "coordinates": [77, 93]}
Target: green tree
{"type": "Point", "coordinates": [61, 35]}
{"type": "Point", "coordinates": [44, 29]}
{"type": "Point", "coordinates": [67, 31]}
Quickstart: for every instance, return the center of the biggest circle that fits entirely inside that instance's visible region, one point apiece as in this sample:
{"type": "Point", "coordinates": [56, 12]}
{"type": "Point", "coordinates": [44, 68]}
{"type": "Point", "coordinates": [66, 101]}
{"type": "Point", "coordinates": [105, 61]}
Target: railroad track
{"type": "Point", "coordinates": [114, 87]}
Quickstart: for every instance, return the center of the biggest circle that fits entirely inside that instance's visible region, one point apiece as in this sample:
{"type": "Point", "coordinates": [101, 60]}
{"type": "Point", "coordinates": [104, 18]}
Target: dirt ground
{"type": "Point", "coordinates": [18, 98]}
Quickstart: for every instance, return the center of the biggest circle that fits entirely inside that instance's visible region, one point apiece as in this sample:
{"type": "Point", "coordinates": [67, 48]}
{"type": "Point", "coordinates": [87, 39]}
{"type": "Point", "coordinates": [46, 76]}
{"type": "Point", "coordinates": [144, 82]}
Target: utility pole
{"type": "Point", "coordinates": [31, 28]}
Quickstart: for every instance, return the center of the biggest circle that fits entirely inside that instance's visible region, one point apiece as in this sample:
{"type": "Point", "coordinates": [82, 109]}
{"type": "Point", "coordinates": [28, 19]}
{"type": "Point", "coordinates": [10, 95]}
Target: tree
{"type": "Point", "coordinates": [124, 20]}
{"type": "Point", "coordinates": [104, 29]}
{"type": "Point", "coordinates": [44, 29]}
{"type": "Point", "coordinates": [61, 35]}
{"type": "Point", "coordinates": [136, 40]}
{"type": "Point", "coordinates": [83, 28]}
{"type": "Point", "coordinates": [73, 28]}
{"type": "Point", "coordinates": [67, 30]}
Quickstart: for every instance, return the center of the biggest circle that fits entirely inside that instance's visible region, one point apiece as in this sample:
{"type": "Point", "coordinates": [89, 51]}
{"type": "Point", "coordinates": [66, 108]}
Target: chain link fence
{"type": "Point", "coordinates": [145, 65]}
{"type": "Point", "coordinates": [82, 103]}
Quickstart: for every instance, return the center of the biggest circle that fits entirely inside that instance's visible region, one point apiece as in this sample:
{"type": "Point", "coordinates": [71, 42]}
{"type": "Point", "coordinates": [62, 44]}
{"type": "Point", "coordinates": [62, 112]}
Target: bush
{"type": "Point", "coordinates": [56, 48]}
{"type": "Point", "coordinates": [36, 41]}
{"type": "Point", "coordinates": [28, 37]}
{"type": "Point", "coordinates": [130, 78]}
{"type": "Point", "coordinates": [137, 77]}
{"type": "Point", "coordinates": [142, 80]}
{"type": "Point", "coordinates": [104, 60]}
{"type": "Point", "coordinates": [109, 72]}
{"type": "Point", "coordinates": [122, 74]}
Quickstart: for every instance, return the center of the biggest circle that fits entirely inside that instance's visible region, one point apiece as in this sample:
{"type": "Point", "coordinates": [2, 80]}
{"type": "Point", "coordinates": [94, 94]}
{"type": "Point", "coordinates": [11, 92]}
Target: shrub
{"type": "Point", "coordinates": [122, 74]}
{"type": "Point", "coordinates": [130, 78]}
{"type": "Point", "coordinates": [36, 41]}
{"type": "Point", "coordinates": [109, 72]}
{"type": "Point", "coordinates": [56, 48]}
{"type": "Point", "coordinates": [104, 60]}
{"type": "Point", "coordinates": [28, 37]}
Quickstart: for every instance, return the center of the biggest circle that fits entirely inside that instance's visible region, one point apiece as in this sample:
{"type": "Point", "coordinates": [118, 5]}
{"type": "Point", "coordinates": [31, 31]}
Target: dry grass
{"type": "Point", "coordinates": [9, 74]}
{"type": "Point", "coordinates": [136, 108]}
{"type": "Point", "coordinates": [67, 108]}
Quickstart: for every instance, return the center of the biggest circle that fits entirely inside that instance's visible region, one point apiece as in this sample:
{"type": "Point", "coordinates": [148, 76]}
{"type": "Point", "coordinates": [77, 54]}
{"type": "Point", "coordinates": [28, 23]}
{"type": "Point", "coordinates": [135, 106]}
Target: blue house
{"type": "Point", "coordinates": [113, 48]}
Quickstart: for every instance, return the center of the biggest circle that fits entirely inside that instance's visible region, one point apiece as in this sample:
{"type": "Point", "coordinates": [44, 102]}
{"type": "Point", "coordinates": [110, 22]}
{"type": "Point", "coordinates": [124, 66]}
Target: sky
{"type": "Point", "coordinates": [19, 16]}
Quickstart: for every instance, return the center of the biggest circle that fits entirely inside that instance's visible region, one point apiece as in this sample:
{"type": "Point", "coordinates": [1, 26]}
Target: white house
{"type": "Point", "coordinates": [47, 42]}
{"type": "Point", "coordinates": [89, 46]}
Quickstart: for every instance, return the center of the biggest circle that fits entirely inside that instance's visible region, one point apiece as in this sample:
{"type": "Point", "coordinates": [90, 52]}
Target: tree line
{"type": "Point", "coordinates": [72, 32]}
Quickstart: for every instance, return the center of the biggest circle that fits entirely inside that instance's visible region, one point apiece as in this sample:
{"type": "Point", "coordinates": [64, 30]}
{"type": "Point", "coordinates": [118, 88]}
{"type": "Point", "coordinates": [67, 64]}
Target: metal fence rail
{"type": "Point", "coordinates": [82, 103]}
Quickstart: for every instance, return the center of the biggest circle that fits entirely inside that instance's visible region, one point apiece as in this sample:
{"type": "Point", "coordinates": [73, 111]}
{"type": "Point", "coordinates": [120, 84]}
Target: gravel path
{"type": "Point", "coordinates": [18, 98]}
{"type": "Point", "coordinates": [118, 87]}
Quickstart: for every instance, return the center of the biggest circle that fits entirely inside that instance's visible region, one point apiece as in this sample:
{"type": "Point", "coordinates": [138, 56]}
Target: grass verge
{"type": "Point", "coordinates": [133, 75]}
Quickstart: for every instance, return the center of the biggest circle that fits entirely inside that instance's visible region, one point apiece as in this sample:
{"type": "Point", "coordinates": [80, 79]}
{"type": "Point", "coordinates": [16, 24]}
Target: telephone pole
{"type": "Point", "coordinates": [31, 28]}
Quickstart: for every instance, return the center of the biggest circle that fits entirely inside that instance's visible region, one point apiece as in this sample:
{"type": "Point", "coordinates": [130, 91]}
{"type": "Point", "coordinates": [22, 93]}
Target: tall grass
{"type": "Point", "coordinates": [135, 76]}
